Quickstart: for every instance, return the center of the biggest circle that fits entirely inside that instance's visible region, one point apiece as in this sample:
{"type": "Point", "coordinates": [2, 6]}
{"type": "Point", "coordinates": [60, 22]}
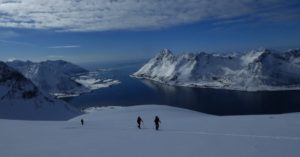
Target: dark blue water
{"type": "Point", "coordinates": [134, 91]}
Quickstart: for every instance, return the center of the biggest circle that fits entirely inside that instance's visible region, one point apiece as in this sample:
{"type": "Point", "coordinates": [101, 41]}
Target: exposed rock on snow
{"type": "Point", "coordinates": [21, 99]}
{"type": "Point", "coordinates": [252, 71]}
{"type": "Point", "coordinates": [90, 81]}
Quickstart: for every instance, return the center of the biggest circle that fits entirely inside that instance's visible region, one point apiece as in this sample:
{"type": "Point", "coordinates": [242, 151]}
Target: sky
{"type": "Point", "coordinates": [113, 30]}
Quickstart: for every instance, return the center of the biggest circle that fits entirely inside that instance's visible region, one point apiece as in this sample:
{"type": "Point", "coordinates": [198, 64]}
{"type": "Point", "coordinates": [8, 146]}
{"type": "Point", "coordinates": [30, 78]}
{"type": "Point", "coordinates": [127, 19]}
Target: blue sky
{"type": "Point", "coordinates": [100, 30]}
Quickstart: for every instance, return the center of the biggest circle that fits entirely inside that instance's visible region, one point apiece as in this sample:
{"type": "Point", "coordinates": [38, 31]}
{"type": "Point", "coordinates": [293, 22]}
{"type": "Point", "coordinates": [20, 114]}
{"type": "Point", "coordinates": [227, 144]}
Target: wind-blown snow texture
{"type": "Point", "coordinates": [252, 71]}
{"type": "Point", "coordinates": [112, 132]}
{"type": "Point", "coordinates": [59, 78]}
{"type": "Point", "coordinates": [21, 99]}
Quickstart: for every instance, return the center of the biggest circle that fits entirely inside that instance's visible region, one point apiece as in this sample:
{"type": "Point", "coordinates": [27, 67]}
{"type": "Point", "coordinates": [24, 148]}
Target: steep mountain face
{"type": "Point", "coordinates": [252, 71]}
{"type": "Point", "coordinates": [293, 56]}
{"type": "Point", "coordinates": [51, 76]}
{"type": "Point", "coordinates": [21, 99]}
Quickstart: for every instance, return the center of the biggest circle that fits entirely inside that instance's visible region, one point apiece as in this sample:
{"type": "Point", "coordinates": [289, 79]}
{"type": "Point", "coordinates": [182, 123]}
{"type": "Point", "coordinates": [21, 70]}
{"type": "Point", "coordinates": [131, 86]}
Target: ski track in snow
{"type": "Point", "coordinates": [196, 132]}
{"type": "Point", "coordinates": [239, 135]}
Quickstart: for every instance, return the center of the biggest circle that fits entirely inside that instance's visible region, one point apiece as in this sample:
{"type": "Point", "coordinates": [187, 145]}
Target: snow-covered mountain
{"type": "Point", "coordinates": [252, 71]}
{"type": "Point", "coordinates": [51, 76]}
{"type": "Point", "coordinates": [21, 99]}
{"type": "Point", "coordinates": [59, 78]}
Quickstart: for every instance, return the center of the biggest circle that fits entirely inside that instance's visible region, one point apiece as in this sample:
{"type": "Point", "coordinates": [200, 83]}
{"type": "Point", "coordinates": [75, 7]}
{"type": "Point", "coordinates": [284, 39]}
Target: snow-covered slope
{"type": "Point", "coordinates": [51, 76]}
{"type": "Point", "coordinates": [59, 78]}
{"type": "Point", "coordinates": [21, 99]}
{"type": "Point", "coordinates": [112, 132]}
{"type": "Point", "coordinates": [252, 71]}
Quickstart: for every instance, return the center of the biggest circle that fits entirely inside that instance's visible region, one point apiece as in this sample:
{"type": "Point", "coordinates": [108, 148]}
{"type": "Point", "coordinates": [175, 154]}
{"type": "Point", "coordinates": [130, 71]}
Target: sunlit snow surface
{"type": "Point", "coordinates": [112, 132]}
{"type": "Point", "coordinates": [91, 81]}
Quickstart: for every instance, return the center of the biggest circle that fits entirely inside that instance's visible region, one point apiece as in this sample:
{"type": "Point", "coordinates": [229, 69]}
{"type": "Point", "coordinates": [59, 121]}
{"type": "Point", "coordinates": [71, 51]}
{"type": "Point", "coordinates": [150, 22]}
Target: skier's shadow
{"type": "Point", "coordinates": [149, 128]}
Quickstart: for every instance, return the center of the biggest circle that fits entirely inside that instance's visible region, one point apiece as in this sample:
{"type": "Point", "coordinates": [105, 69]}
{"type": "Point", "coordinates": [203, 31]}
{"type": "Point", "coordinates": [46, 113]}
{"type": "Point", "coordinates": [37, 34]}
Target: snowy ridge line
{"type": "Point", "coordinates": [241, 135]}
{"type": "Point", "coordinates": [257, 70]}
{"type": "Point", "coordinates": [61, 78]}
{"type": "Point", "coordinates": [21, 99]}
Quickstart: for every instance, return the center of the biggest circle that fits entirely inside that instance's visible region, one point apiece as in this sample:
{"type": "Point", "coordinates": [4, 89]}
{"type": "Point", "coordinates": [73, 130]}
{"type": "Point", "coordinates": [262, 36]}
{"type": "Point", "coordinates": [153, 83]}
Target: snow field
{"type": "Point", "coordinates": [112, 132]}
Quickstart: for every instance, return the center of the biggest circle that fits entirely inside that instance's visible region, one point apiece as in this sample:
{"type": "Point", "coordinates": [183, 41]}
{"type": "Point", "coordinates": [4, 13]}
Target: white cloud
{"type": "Point", "coordinates": [11, 42]}
{"type": "Point", "coordinates": [101, 15]}
{"type": "Point", "coordinates": [64, 46]}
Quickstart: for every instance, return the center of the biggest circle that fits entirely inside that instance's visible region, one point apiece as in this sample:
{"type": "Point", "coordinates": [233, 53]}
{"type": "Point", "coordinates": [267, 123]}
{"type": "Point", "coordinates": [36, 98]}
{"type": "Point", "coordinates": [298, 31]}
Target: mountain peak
{"type": "Point", "coordinates": [295, 52]}
{"type": "Point", "coordinates": [21, 99]}
{"type": "Point", "coordinates": [57, 73]}
{"type": "Point", "coordinates": [165, 52]}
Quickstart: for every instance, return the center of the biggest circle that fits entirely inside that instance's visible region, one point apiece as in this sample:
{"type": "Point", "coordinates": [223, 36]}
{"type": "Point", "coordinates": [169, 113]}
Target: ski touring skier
{"type": "Point", "coordinates": [139, 122]}
{"type": "Point", "coordinates": [82, 122]}
{"type": "Point", "coordinates": [157, 122]}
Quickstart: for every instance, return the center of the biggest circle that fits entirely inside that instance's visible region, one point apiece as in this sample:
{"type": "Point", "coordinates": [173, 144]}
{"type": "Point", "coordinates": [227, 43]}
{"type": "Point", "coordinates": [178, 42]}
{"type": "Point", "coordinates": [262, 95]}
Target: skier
{"type": "Point", "coordinates": [82, 122]}
{"type": "Point", "coordinates": [157, 121]}
{"type": "Point", "coordinates": [139, 121]}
